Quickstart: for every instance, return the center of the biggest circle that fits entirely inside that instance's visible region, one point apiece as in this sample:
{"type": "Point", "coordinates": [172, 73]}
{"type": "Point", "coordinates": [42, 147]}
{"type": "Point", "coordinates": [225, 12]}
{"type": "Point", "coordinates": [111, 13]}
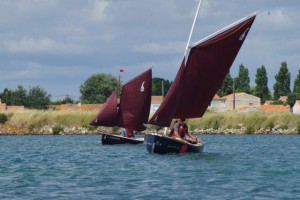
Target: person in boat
{"type": "Point", "coordinates": [172, 129]}
{"type": "Point", "coordinates": [126, 132]}
{"type": "Point", "coordinates": [180, 130]}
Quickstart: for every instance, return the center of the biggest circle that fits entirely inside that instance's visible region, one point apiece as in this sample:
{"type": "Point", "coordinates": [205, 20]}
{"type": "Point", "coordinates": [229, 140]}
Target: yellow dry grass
{"type": "Point", "coordinates": [232, 119]}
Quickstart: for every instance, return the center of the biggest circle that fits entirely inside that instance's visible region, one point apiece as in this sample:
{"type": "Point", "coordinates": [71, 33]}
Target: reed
{"type": "Point", "coordinates": [253, 121]}
{"type": "Point", "coordinates": [38, 118]}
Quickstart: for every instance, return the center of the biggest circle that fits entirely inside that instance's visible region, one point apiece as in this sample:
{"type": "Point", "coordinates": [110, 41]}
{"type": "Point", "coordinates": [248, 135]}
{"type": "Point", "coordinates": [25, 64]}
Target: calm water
{"type": "Point", "coordinates": [79, 167]}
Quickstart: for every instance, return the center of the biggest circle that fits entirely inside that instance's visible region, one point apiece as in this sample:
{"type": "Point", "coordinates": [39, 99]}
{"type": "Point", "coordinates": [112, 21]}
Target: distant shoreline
{"type": "Point", "coordinates": [39, 122]}
{"type": "Point", "coordinates": [10, 130]}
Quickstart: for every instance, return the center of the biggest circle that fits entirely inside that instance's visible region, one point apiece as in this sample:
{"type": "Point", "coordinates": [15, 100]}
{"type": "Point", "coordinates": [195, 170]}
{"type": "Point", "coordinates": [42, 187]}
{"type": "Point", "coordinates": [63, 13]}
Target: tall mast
{"type": "Point", "coordinates": [162, 89]}
{"type": "Point", "coordinates": [192, 29]}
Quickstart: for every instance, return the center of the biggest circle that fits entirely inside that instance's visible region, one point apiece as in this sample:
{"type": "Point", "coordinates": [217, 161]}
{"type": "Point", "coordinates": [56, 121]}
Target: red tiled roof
{"type": "Point", "coordinates": [231, 95]}
{"type": "Point", "coordinates": [268, 102]}
{"type": "Point", "coordinates": [157, 98]}
{"type": "Point", "coordinates": [274, 108]}
{"type": "Point", "coordinates": [76, 107]}
{"type": "Point", "coordinates": [217, 97]}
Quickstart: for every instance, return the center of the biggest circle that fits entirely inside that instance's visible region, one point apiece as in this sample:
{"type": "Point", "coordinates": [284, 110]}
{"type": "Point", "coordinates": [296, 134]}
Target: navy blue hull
{"type": "Point", "coordinates": [117, 139]}
{"type": "Point", "coordinates": [162, 145]}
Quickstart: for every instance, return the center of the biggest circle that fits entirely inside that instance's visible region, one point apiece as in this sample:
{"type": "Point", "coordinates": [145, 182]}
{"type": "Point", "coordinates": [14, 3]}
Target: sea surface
{"type": "Point", "coordinates": [80, 167]}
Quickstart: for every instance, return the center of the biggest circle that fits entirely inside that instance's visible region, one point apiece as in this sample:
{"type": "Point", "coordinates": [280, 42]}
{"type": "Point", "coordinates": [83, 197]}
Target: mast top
{"type": "Point", "coordinates": [192, 29]}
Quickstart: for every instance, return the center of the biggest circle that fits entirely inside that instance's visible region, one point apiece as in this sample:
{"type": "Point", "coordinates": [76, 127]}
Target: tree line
{"type": "Point", "coordinates": [98, 87]}
{"type": "Point", "coordinates": [281, 86]}
{"type": "Point", "coordinates": [35, 97]}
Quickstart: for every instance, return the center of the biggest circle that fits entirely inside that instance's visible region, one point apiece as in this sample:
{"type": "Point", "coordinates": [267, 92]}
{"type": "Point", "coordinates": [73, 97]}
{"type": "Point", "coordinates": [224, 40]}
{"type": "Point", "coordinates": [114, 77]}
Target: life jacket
{"type": "Point", "coordinates": [128, 133]}
{"type": "Point", "coordinates": [171, 133]}
{"type": "Point", "coordinates": [182, 130]}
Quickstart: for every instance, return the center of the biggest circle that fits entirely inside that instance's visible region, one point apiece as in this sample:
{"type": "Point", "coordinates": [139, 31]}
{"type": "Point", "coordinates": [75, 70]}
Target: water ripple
{"type": "Point", "coordinates": [79, 167]}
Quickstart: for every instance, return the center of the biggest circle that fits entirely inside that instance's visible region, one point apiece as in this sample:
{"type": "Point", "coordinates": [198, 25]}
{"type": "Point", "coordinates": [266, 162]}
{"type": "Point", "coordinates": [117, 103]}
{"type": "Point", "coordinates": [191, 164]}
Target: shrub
{"type": "Point", "coordinates": [91, 128]}
{"type": "Point", "coordinates": [57, 129]}
{"type": "Point", "coordinates": [115, 129]}
{"type": "Point", "coordinates": [3, 118]}
{"type": "Point", "coordinates": [192, 127]}
{"type": "Point", "coordinates": [284, 126]}
{"type": "Point", "coordinates": [270, 125]}
{"type": "Point", "coordinates": [31, 127]}
{"type": "Point", "coordinates": [237, 126]}
{"type": "Point", "coordinates": [216, 125]}
{"type": "Point", "coordinates": [249, 130]}
{"type": "Point", "coordinates": [298, 127]}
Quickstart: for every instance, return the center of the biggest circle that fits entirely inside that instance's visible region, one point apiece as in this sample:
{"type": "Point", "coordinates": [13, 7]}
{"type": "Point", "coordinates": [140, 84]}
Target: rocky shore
{"type": "Point", "coordinates": [40, 122]}
{"type": "Point", "coordinates": [48, 130]}
{"type": "Point", "coordinates": [275, 130]}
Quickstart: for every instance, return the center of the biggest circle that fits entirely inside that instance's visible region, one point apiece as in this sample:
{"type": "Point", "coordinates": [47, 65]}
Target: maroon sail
{"type": "Point", "coordinates": [135, 102]}
{"type": "Point", "coordinates": [107, 116]}
{"type": "Point", "coordinates": [133, 110]}
{"type": "Point", "coordinates": [207, 64]}
{"type": "Point", "coordinates": [167, 109]}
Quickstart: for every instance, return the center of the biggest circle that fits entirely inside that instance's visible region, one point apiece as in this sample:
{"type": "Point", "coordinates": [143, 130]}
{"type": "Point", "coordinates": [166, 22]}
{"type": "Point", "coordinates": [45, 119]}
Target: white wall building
{"type": "Point", "coordinates": [296, 107]}
{"type": "Point", "coordinates": [155, 103]}
{"type": "Point", "coordinates": [242, 101]}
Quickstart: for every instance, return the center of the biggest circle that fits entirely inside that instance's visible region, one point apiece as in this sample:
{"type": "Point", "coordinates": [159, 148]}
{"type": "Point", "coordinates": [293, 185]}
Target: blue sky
{"type": "Point", "coordinates": [58, 44]}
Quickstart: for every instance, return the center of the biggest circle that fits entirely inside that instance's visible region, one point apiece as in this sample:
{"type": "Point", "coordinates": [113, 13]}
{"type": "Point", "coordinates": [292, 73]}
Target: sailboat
{"type": "Point", "coordinates": [203, 68]}
{"type": "Point", "coordinates": [132, 111]}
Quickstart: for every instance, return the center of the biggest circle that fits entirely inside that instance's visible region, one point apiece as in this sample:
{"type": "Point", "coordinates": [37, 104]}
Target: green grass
{"type": "Point", "coordinates": [251, 121]}
{"type": "Point", "coordinates": [35, 119]}
{"type": "Point", "coordinates": [38, 119]}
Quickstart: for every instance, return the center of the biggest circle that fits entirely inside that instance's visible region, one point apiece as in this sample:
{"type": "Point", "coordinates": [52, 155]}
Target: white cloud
{"type": "Point", "coordinates": [106, 37]}
{"type": "Point", "coordinates": [28, 45]}
{"type": "Point", "coordinates": [99, 13]}
{"type": "Point", "coordinates": [33, 70]}
{"type": "Point", "coordinates": [42, 45]}
{"type": "Point", "coordinates": [29, 70]}
{"type": "Point", "coordinates": [35, 5]}
{"type": "Point", "coordinates": [44, 41]}
{"type": "Point", "coordinates": [154, 48]}
{"type": "Point", "coordinates": [70, 30]}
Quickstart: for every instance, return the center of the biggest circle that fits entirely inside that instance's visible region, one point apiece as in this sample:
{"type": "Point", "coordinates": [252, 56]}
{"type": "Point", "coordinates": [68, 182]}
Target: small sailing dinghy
{"type": "Point", "coordinates": [132, 111]}
{"type": "Point", "coordinates": [204, 66]}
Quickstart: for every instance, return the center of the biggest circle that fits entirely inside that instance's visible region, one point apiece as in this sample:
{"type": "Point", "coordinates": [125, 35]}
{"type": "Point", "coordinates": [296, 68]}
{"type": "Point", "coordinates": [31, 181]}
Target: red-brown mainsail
{"type": "Point", "coordinates": [133, 110]}
{"type": "Point", "coordinates": [201, 73]}
{"type": "Point", "coordinates": [107, 116]}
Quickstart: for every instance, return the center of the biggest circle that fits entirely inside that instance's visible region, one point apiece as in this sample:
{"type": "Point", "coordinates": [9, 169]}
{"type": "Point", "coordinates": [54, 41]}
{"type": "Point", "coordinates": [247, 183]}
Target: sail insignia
{"type": "Point", "coordinates": [244, 34]}
{"type": "Point", "coordinates": [142, 87]}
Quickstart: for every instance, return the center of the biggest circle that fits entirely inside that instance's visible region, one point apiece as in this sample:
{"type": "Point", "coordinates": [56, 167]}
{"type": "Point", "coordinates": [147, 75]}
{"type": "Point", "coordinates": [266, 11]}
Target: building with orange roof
{"type": "Point", "coordinates": [155, 103]}
{"type": "Point", "coordinates": [217, 104]}
{"type": "Point", "coordinates": [275, 108]}
{"type": "Point", "coordinates": [296, 107]}
{"type": "Point", "coordinates": [78, 106]}
{"type": "Point", "coordinates": [242, 101]}
{"type": "Point", "coordinates": [269, 102]}
{"type": "Point", "coordinates": [4, 107]}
